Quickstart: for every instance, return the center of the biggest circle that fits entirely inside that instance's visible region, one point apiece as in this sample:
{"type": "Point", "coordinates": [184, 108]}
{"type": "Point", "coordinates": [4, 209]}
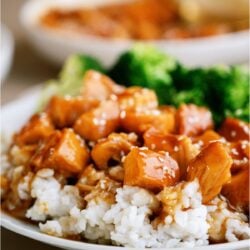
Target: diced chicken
{"type": "Point", "coordinates": [139, 122]}
{"type": "Point", "coordinates": [64, 151]}
{"type": "Point", "coordinates": [38, 128]}
{"type": "Point", "coordinates": [114, 147]}
{"type": "Point", "coordinates": [179, 147]}
{"type": "Point", "coordinates": [137, 99]}
{"type": "Point", "coordinates": [65, 110]}
{"type": "Point", "coordinates": [150, 170]}
{"type": "Point", "coordinates": [98, 86]}
{"type": "Point", "coordinates": [240, 153]}
{"type": "Point", "coordinates": [89, 178]}
{"type": "Point", "coordinates": [206, 138]}
{"type": "Point", "coordinates": [212, 168]}
{"type": "Point", "coordinates": [237, 191]}
{"type": "Point", "coordinates": [99, 122]}
{"type": "Point", "coordinates": [193, 120]}
{"type": "Point", "coordinates": [234, 130]}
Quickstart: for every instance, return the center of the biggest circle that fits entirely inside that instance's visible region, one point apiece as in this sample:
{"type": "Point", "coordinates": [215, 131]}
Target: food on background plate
{"type": "Point", "coordinates": [161, 19]}
{"type": "Point", "coordinates": [119, 168]}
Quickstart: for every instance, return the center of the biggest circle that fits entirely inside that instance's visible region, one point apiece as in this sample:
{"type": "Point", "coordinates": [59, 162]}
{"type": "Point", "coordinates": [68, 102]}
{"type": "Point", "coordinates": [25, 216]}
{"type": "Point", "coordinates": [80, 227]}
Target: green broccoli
{"type": "Point", "coordinates": [70, 78]}
{"type": "Point", "coordinates": [190, 86]}
{"type": "Point", "coordinates": [146, 66]}
{"type": "Point", "coordinates": [227, 89]}
{"type": "Point", "coordinates": [195, 96]}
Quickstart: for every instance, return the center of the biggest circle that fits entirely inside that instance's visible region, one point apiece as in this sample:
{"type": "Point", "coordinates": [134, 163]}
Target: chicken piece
{"type": "Point", "coordinates": [150, 170]}
{"type": "Point", "coordinates": [212, 168]}
{"type": "Point", "coordinates": [38, 128]}
{"type": "Point", "coordinates": [114, 147]}
{"type": "Point", "coordinates": [99, 122]}
{"type": "Point", "coordinates": [89, 178]}
{"type": "Point", "coordinates": [64, 151]}
{"type": "Point", "coordinates": [139, 122]}
{"type": "Point", "coordinates": [237, 190]}
{"type": "Point", "coordinates": [234, 130]}
{"type": "Point", "coordinates": [65, 110]}
{"type": "Point", "coordinates": [206, 138]}
{"type": "Point", "coordinates": [98, 86]}
{"type": "Point", "coordinates": [240, 153]}
{"type": "Point", "coordinates": [193, 120]}
{"type": "Point", "coordinates": [137, 99]}
{"type": "Point", "coordinates": [179, 147]}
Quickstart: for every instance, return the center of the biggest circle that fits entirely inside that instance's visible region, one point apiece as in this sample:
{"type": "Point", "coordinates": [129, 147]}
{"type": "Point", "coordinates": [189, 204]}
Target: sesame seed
{"type": "Point", "coordinates": [233, 133]}
{"type": "Point", "coordinates": [123, 114]}
{"type": "Point", "coordinates": [234, 151]}
{"type": "Point", "coordinates": [246, 129]}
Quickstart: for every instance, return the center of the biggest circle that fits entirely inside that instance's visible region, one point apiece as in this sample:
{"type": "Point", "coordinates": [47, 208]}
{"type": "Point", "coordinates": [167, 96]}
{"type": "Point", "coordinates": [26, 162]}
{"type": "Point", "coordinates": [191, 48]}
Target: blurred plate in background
{"type": "Point", "coordinates": [230, 48]}
{"type": "Point", "coordinates": [7, 48]}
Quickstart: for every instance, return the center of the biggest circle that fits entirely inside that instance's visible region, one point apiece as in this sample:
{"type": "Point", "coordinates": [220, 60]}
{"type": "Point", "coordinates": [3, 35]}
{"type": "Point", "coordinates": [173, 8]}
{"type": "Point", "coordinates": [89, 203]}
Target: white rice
{"type": "Point", "coordinates": [51, 199]}
{"type": "Point", "coordinates": [130, 217]}
{"type": "Point", "coordinates": [226, 225]}
{"type": "Point", "coordinates": [23, 187]}
{"type": "Point", "coordinates": [127, 221]}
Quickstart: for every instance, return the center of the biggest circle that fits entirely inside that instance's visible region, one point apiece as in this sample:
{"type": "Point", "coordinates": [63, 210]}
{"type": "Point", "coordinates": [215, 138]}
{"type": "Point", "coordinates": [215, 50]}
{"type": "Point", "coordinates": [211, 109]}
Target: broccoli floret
{"type": "Point", "coordinates": [190, 86]}
{"type": "Point", "coordinates": [146, 66]}
{"type": "Point", "coordinates": [195, 96]}
{"type": "Point", "coordinates": [187, 79]}
{"type": "Point", "coordinates": [228, 88]}
{"type": "Point", "coordinates": [70, 78]}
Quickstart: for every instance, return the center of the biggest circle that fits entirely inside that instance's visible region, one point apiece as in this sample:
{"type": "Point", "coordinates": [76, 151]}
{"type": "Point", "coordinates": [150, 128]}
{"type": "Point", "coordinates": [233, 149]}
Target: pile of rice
{"type": "Point", "coordinates": [127, 217]}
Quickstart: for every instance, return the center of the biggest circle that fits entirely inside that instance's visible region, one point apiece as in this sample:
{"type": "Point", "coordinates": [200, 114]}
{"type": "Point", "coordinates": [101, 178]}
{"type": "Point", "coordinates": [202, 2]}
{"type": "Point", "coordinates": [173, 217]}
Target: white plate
{"type": "Point", "coordinates": [7, 48]}
{"type": "Point", "coordinates": [56, 46]}
{"type": "Point", "coordinates": [14, 116]}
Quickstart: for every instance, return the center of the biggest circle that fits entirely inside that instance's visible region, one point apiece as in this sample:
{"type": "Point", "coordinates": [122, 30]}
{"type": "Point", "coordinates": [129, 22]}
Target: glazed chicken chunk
{"type": "Point", "coordinates": [237, 190]}
{"type": "Point", "coordinates": [149, 169]}
{"type": "Point", "coordinates": [99, 87]}
{"type": "Point", "coordinates": [212, 168]}
{"type": "Point", "coordinates": [234, 130]}
{"type": "Point", "coordinates": [193, 120]}
{"type": "Point", "coordinates": [114, 147]}
{"type": "Point", "coordinates": [99, 122]}
{"type": "Point", "coordinates": [39, 127]}
{"type": "Point", "coordinates": [179, 147]}
{"type": "Point", "coordinates": [72, 108]}
{"type": "Point", "coordinates": [64, 151]}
